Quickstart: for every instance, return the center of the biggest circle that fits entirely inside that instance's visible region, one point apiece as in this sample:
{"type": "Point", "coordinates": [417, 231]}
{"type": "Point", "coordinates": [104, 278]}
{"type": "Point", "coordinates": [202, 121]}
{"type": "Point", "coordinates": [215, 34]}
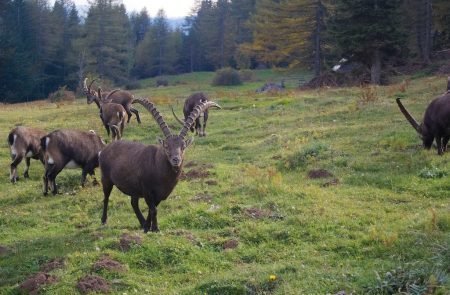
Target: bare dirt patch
{"type": "Point", "coordinates": [188, 235]}
{"type": "Point", "coordinates": [108, 264]}
{"type": "Point", "coordinates": [319, 173]}
{"type": "Point", "coordinates": [196, 174]}
{"type": "Point", "coordinates": [3, 250]}
{"type": "Point", "coordinates": [93, 283]}
{"type": "Point", "coordinates": [211, 182]}
{"type": "Point", "coordinates": [33, 284]}
{"type": "Point", "coordinates": [333, 181]}
{"type": "Point", "coordinates": [127, 241]}
{"type": "Point", "coordinates": [202, 198]}
{"type": "Point", "coordinates": [53, 264]}
{"type": "Point", "coordinates": [190, 164]}
{"type": "Point", "coordinates": [230, 244]}
{"type": "Point", "coordinates": [257, 213]}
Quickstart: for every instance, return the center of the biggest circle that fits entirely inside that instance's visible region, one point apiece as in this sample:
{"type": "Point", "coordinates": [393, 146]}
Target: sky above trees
{"type": "Point", "coordinates": [172, 8]}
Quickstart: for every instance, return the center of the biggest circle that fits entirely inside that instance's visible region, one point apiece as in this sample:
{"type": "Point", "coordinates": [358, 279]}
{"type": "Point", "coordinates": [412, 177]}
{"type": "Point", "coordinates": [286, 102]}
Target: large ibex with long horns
{"type": "Point", "coordinates": [436, 122]}
{"type": "Point", "coordinates": [125, 98]}
{"type": "Point", "coordinates": [147, 171]}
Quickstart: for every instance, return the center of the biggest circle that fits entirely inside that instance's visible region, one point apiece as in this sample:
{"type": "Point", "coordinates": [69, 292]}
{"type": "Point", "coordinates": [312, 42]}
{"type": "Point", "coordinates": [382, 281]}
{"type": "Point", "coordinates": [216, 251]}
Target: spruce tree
{"type": "Point", "coordinates": [368, 31]}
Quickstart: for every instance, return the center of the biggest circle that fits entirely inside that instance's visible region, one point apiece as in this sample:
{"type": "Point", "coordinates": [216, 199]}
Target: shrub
{"type": "Point", "coordinates": [300, 158]}
{"type": "Point", "coordinates": [132, 84]}
{"type": "Point", "coordinates": [246, 75]}
{"type": "Point", "coordinates": [226, 77]}
{"type": "Point", "coordinates": [162, 82]}
{"type": "Point", "coordinates": [61, 95]}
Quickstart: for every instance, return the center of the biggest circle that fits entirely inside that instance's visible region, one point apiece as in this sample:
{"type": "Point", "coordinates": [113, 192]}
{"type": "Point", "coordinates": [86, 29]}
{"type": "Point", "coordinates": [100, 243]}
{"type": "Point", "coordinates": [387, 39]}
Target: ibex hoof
{"type": "Point", "coordinates": [26, 175]}
{"type": "Point", "coordinates": [14, 179]}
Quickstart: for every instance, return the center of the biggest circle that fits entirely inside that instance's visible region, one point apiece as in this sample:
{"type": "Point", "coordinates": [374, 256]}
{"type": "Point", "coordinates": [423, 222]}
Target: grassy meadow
{"type": "Point", "coordinates": [299, 192]}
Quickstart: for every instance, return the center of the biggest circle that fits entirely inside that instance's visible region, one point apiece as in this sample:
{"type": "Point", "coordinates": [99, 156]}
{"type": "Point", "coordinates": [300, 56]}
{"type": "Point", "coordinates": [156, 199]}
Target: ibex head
{"type": "Point", "coordinates": [425, 134]}
{"type": "Point", "coordinates": [175, 145]}
{"type": "Point", "coordinates": [91, 95]}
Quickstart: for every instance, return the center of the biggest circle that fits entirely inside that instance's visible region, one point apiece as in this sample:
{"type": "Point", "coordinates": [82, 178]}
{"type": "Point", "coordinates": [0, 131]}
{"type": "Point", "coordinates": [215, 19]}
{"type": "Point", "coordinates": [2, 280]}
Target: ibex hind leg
{"type": "Point", "coordinates": [107, 187]}
{"type": "Point", "coordinates": [137, 211]}
{"type": "Point", "coordinates": [13, 171]}
{"type": "Point", "coordinates": [27, 167]}
{"type": "Point", "coordinates": [445, 143]}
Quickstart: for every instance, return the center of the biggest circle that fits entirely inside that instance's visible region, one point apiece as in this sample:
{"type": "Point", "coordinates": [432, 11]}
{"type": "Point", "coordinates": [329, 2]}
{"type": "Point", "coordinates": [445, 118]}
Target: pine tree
{"type": "Point", "coordinates": [369, 31]}
{"type": "Point", "coordinates": [107, 40]}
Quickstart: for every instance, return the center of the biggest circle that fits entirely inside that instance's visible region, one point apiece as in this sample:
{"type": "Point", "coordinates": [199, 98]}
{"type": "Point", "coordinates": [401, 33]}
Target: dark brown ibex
{"type": "Point", "coordinates": [147, 171]}
{"type": "Point", "coordinates": [436, 122]}
{"type": "Point", "coordinates": [24, 142]}
{"type": "Point", "coordinates": [69, 149]}
{"type": "Point", "coordinates": [112, 116]}
{"type": "Point", "coordinates": [189, 106]}
{"type": "Point", "coordinates": [125, 98]}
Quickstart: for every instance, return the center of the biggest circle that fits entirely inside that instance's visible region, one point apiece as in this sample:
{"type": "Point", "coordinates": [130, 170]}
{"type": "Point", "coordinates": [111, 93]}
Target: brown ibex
{"type": "Point", "coordinates": [69, 149]}
{"type": "Point", "coordinates": [125, 98]}
{"type": "Point", "coordinates": [112, 116]}
{"type": "Point", "coordinates": [24, 142]}
{"type": "Point", "coordinates": [436, 122]}
{"type": "Point", "coordinates": [147, 171]}
{"type": "Point", "coordinates": [189, 106]}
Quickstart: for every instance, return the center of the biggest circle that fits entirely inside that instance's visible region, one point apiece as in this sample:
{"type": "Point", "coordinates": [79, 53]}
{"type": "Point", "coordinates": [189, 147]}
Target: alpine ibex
{"type": "Point", "coordinates": [24, 142]}
{"type": "Point", "coordinates": [189, 106]}
{"type": "Point", "coordinates": [147, 171]}
{"type": "Point", "coordinates": [436, 122]}
{"type": "Point", "coordinates": [125, 98]}
{"type": "Point", "coordinates": [112, 116]}
{"type": "Point", "coordinates": [69, 149]}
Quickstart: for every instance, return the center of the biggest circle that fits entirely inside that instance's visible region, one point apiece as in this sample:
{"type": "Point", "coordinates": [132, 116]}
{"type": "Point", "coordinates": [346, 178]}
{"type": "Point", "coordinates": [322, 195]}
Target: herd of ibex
{"type": "Point", "coordinates": [152, 171]}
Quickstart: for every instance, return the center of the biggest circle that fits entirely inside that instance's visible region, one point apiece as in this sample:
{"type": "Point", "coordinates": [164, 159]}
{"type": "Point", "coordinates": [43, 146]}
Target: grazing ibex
{"type": "Point", "coordinates": [24, 142]}
{"type": "Point", "coordinates": [436, 122]}
{"type": "Point", "coordinates": [69, 149]}
{"type": "Point", "coordinates": [124, 98]}
{"type": "Point", "coordinates": [112, 116]}
{"type": "Point", "coordinates": [189, 106]}
{"type": "Point", "coordinates": [147, 171]}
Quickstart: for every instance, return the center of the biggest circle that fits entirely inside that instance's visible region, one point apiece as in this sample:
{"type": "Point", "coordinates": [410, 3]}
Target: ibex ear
{"type": "Point", "coordinates": [160, 140]}
{"type": "Point", "coordinates": [189, 141]}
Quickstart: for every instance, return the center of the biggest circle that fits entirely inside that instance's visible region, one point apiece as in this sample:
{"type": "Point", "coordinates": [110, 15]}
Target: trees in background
{"type": "Point", "coordinates": [44, 47]}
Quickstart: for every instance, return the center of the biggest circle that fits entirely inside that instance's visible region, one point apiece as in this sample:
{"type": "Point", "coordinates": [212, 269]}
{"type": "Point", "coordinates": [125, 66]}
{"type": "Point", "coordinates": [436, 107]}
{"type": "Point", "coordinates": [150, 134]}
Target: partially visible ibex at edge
{"type": "Point", "coordinates": [112, 116]}
{"type": "Point", "coordinates": [124, 98]}
{"type": "Point", "coordinates": [436, 122]}
{"type": "Point", "coordinates": [24, 142]}
{"type": "Point", "coordinates": [147, 171]}
{"type": "Point", "coordinates": [69, 149]}
{"type": "Point", "coordinates": [189, 106]}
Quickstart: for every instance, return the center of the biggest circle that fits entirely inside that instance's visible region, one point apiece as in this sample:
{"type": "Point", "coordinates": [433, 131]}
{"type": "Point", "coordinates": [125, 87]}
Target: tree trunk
{"type": "Point", "coordinates": [375, 68]}
{"type": "Point", "coordinates": [317, 40]}
{"type": "Point", "coordinates": [424, 29]}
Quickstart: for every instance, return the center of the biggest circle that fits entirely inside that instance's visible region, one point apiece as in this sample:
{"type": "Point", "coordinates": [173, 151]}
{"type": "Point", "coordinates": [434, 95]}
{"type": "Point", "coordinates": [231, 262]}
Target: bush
{"type": "Point", "coordinates": [226, 77]}
{"type": "Point", "coordinates": [61, 95]}
{"type": "Point", "coordinates": [132, 84]}
{"type": "Point", "coordinates": [246, 75]}
{"type": "Point", "coordinates": [162, 82]}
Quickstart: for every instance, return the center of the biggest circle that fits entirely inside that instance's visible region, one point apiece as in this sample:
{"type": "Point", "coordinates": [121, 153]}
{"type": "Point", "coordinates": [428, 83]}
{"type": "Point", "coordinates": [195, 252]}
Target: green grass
{"type": "Point", "coordinates": [380, 223]}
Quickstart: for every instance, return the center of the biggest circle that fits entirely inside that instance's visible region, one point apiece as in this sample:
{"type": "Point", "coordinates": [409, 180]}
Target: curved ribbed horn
{"type": "Point", "coordinates": [201, 107]}
{"type": "Point", "coordinates": [89, 87]}
{"type": "Point", "coordinates": [179, 121]}
{"type": "Point", "coordinates": [156, 115]}
{"type": "Point", "coordinates": [109, 94]}
{"type": "Point", "coordinates": [85, 88]}
{"type": "Point", "coordinates": [408, 117]}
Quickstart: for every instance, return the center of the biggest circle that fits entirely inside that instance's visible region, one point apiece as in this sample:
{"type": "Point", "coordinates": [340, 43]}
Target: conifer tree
{"type": "Point", "coordinates": [369, 31]}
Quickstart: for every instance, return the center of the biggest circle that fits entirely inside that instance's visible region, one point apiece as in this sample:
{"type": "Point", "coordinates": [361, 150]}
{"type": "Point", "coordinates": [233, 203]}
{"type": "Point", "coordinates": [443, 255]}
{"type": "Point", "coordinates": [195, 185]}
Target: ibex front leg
{"type": "Point", "coordinates": [152, 221]}
{"type": "Point", "coordinates": [137, 211]}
